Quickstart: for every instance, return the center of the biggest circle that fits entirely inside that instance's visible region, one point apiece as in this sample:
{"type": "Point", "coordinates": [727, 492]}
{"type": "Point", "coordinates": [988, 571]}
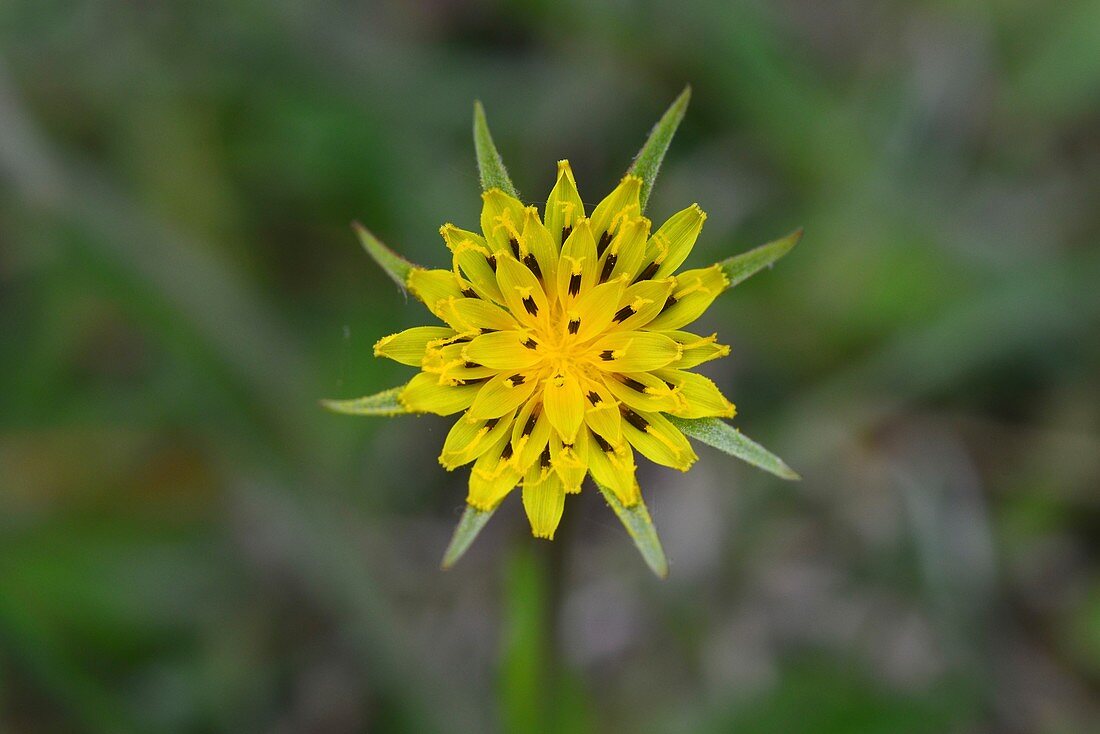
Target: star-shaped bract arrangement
{"type": "Point", "coordinates": [563, 346]}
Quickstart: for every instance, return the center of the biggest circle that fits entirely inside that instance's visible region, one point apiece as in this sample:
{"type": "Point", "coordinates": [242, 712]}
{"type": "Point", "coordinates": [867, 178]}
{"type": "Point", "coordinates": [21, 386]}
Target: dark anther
{"type": "Point", "coordinates": [649, 271]}
{"type": "Point", "coordinates": [507, 452]}
{"type": "Point", "coordinates": [668, 304]}
{"type": "Point", "coordinates": [566, 445]}
{"type": "Point", "coordinates": [574, 325]}
{"type": "Point", "coordinates": [516, 380]}
{"type": "Point", "coordinates": [533, 265]}
{"type": "Point", "coordinates": [531, 344]}
{"type": "Point", "coordinates": [544, 460]}
{"type": "Point", "coordinates": [671, 385]}
{"type": "Point", "coordinates": [493, 262]}
{"type": "Point", "coordinates": [471, 365]}
{"type": "Point", "coordinates": [515, 246]}
{"type": "Point", "coordinates": [634, 419]}
{"type": "Point", "coordinates": [608, 266]}
{"type": "Point", "coordinates": [605, 240]}
{"type": "Point", "coordinates": [529, 304]}
{"type": "Point", "coordinates": [607, 355]}
{"type": "Point", "coordinates": [565, 232]}
{"type": "Point", "coordinates": [632, 383]}
{"type": "Point", "coordinates": [594, 398]}
{"type": "Point", "coordinates": [624, 313]}
{"type": "Point", "coordinates": [574, 284]}
{"type": "Point", "coordinates": [469, 293]}
{"type": "Point", "coordinates": [474, 381]}
{"type": "Point", "coordinates": [602, 443]}
{"type": "Point", "coordinates": [491, 423]}
{"type": "Point", "coordinates": [488, 331]}
{"type": "Point", "coordinates": [530, 426]}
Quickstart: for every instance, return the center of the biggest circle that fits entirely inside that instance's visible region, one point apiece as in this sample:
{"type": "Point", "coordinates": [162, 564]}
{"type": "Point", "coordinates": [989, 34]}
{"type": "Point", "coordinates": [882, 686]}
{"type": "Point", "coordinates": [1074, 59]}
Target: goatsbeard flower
{"type": "Point", "coordinates": [563, 346]}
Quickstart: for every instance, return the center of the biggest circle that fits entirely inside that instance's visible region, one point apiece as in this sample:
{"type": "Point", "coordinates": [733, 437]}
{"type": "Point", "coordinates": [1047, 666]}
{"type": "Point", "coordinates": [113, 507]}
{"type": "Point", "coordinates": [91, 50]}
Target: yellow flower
{"type": "Point", "coordinates": [563, 347]}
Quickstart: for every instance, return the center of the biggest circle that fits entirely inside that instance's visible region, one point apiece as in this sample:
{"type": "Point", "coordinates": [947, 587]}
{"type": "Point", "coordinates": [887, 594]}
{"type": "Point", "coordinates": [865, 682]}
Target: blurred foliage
{"type": "Point", "coordinates": [189, 543]}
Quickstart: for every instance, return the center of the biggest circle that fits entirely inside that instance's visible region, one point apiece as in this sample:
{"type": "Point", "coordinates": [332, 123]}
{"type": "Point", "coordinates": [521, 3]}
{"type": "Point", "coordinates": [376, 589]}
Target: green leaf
{"type": "Point", "coordinates": [724, 437]}
{"type": "Point", "coordinates": [741, 267]}
{"type": "Point", "coordinates": [473, 520]}
{"type": "Point", "coordinates": [639, 525]}
{"type": "Point", "coordinates": [648, 161]}
{"type": "Point", "coordinates": [395, 266]}
{"type": "Point", "coordinates": [383, 403]}
{"type": "Point", "coordinates": [490, 167]}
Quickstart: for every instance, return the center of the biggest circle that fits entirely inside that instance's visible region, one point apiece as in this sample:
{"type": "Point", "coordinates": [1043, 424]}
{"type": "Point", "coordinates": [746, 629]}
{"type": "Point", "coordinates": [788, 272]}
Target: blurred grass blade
{"type": "Point", "coordinates": [740, 267]}
{"type": "Point", "coordinates": [395, 266]}
{"type": "Point", "coordinates": [648, 161]}
{"type": "Point", "coordinates": [724, 437]}
{"type": "Point", "coordinates": [490, 167]}
{"type": "Point", "coordinates": [639, 525]}
{"type": "Point", "coordinates": [383, 403]}
{"type": "Point", "coordinates": [473, 520]}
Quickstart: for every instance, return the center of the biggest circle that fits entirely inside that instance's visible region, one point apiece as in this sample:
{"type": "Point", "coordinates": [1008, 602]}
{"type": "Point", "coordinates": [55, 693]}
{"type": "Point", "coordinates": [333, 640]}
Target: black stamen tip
{"type": "Point", "coordinates": [605, 240]}
{"type": "Point", "coordinates": [574, 284]}
{"type": "Point", "coordinates": [607, 355]}
{"type": "Point", "coordinates": [565, 232]}
{"type": "Point", "coordinates": [608, 267]}
{"type": "Point", "coordinates": [604, 445]}
{"type": "Point", "coordinates": [632, 383]}
{"type": "Point", "coordinates": [544, 460]}
{"type": "Point", "coordinates": [507, 452]}
{"type": "Point", "coordinates": [516, 380]}
{"type": "Point", "coordinates": [594, 398]}
{"type": "Point", "coordinates": [574, 325]}
{"type": "Point", "coordinates": [533, 265]}
{"type": "Point", "coordinates": [530, 426]}
{"type": "Point", "coordinates": [668, 304]}
{"type": "Point", "coordinates": [471, 365]}
{"type": "Point", "coordinates": [493, 262]}
{"type": "Point", "coordinates": [624, 313]}
{"type": "Point", "coordinates": [647, 273]}
{"type": "Point", "coordinates": [529, 304]}
{"type": "Point", "coordinates": [515, 246]}
{"type": "Point", "coordinates": [531, 344]}
{"type": "Point", "coordinates": [469, 292]}
{"type": "Point", "coordinates": [491, 423]}
{"type": "Point", "coordinates": [634, 419]}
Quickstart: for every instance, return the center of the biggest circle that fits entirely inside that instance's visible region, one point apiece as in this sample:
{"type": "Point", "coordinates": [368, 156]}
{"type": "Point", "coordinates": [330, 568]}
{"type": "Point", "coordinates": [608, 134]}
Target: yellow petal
{"type": "Point", "coordinates": [473, 315]}
{"type": "Point", "coordinates": [563, 401]}
{"type": "Point", "coordinates": [671, 244]}
{"type": "Point", "coordinates": [434, 288]}
{"type": "Point", "coordinates": [564, 208]}
{"type": "Point", "coordinates": [522, 291]}
{"type": "Point", "coordinates": [621, 205]}
{"type": "Point", "coordinates": [408, 346]}
{"type": "Point", "coordinates": [657, 439]}
{"type": "Point", "coordinates": [543, 500]}
{"type": "Point", "coordinates": [570, 461]}
{"type": "Point", "coordinates": [540, 245]}
{"type": "Point", "coordinates": [578, 262]}
{"type": "Point", "coordinates": [641, 303]}
{"type": "Point", "coordinates": [469, 438]}
{"type": "Point", "coordinates": [623, 257]}
{"type": "Point", "coordinates": [612, 465]}
{"type": "Point", "coordinates": [601, 413]}
{"type": "Point", "coordinates": [694, 292]}
{"type": "Point", "coordinates": [591, 314]}
{"type": "Point", "coordinates": [425, 394]}
{"type": "Point", "coordinates": [643, 391]}
{"type": "Point", "coordinates": [530, 435]}
{"type": "Point", "coordinates": [471, 255]}
{"type": "Point", "coordinates": [501, 221]}
{"type": "Point", "coordinates": [503, 350]}
{"type": "Point", "coordinates": [634, 351]}
{"type": "Point", "coordinates": [501, 394]}
{"type": "Point", "coordinates": [697, 349]}
{"type": "Point", "coordinates": [492, 477]}
{"type": "Point", "coordinates": [701, 398]}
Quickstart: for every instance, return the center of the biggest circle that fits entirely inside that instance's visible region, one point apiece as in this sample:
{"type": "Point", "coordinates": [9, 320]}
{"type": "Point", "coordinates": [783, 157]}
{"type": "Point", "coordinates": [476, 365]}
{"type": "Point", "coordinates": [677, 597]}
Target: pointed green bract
{"type": "Point", "coordinates": [648, 161]}
{"type": "Point", "coordinates": [639, 525]}
{"type": "Point", "coordinates": [724, 437]}
{"type": "Point", "coordinates": [383, 403]}
{"type": "Point", "coordinates": [395, 266]}
{"type": "Point", "coordinates": [741, 267]}
{"type": "Point", "coordinates": [490, 167]}
{"type": "Point", "coordinates": [473, 520]}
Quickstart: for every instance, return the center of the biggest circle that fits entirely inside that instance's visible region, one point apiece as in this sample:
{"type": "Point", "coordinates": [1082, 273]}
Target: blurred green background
{"type": "Point", "coordinates": [189, 544]}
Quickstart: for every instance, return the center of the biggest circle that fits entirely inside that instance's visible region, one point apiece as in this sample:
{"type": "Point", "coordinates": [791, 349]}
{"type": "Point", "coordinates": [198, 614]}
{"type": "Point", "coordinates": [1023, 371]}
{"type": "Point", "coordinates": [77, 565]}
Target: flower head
{"type": "Point", "coordinates": [563, 348]}
{"type": "Point", "coordinates": [562, 345]}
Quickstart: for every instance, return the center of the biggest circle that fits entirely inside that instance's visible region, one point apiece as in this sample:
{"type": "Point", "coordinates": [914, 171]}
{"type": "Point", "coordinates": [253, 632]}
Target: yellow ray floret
{"type": "Point", "coordinates": [563, 346]}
